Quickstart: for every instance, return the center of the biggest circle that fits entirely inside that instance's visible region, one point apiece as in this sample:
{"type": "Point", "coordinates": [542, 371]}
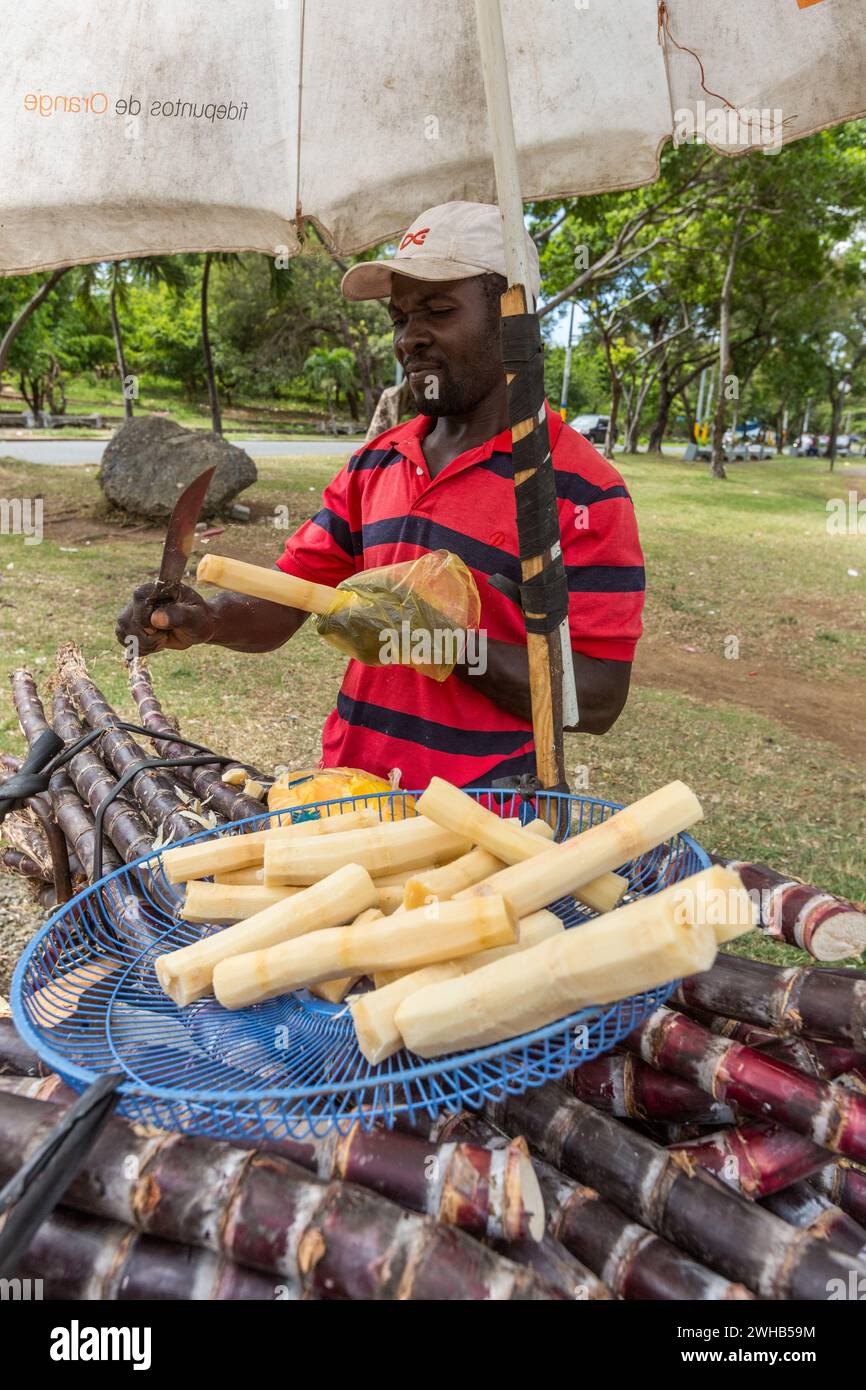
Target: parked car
{"type": "Point", "coordinates": [592, 427]}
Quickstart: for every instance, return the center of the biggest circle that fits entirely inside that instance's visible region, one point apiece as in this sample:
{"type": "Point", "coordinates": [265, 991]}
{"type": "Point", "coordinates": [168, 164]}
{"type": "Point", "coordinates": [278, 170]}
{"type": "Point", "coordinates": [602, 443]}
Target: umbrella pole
{"type": "Point", "coordinates": [551, 673]}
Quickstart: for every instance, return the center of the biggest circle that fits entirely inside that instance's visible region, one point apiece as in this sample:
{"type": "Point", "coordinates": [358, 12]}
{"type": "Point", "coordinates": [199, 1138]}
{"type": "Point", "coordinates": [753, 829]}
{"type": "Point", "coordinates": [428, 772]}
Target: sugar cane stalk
{"type": "Point", "coordinates": [690, 1208]}
{"type": "Point", "coordinates": [153, 791]}
{"type": "Point", "coordinates": [83, 1257]}
{"type": "Point", "coordinates": [845, 1184]}
{"type": "Point", "coordinates": [821, 1003]}
{"type": "Point", "coordinates": [73, 817]}
{"type": "Point", "coordinates": [624, 1256]}
{"type": "Point", "coordinates": [326, 1240]}
{"type": "Point", "coordinates": [829, 1114]}
{"type": "Point", "coordinates": [757, 1159]}
{"type": "Point", "coordinates": [829, 928]}
{"type": "Point", "coordinates": [631, 1089]}
{"type": "Point", "coordinates": [206, 781]}
{"type": "Point", "coordinates": [801, 1206]}
{"type": "Point", "coordinates": [15, 861]}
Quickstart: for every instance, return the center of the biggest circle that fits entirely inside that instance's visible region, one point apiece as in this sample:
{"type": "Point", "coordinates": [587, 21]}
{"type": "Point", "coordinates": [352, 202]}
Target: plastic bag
{"type": "Point", "coordinates": [413, 614]}
{"type": "Point", "coordinates": [294, 790]}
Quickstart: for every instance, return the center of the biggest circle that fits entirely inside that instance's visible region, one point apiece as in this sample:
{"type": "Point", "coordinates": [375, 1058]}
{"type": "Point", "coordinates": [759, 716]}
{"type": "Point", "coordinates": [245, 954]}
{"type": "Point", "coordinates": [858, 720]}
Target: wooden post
{"type": "Point", "coordinates": [551, 674]}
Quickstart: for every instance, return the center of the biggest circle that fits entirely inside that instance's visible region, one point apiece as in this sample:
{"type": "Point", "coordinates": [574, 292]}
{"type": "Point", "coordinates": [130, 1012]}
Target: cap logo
{"type": "Point", "coordinates": [414, 238]}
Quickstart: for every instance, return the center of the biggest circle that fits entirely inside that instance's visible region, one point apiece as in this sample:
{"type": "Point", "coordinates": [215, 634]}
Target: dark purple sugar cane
{"type": "Point", "coordinates": [325, 1240]}
{"type": "Point", "coordinates": [631, 1089]}
{"type": "Point", "coordinates": [206, 781]}
{"type": "Point", "coordinates": [826, 1004]}
{"type": "Point", "coordinates": [152, 789]}
{"type": "Point", "coordinates": [826, 1112]}
{"type": "Point", "coordinates": [626, 1257]}
{"type": "Point", "coordinates": [83, 1257]}
{"type": "Point", "coordinates": [126, 828]}
{"type": "Point", "coordinates": [829, 928]}
{"type": "Point", "coordinates": [15, 861]}
{"type": "Point", "coordinates": [692, 1210]}
{"type": "Point", "coordinates": [808, 1210]}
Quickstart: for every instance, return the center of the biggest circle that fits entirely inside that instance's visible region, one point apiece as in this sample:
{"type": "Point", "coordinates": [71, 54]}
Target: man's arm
{"type": "Point", "coordinates": [602, 686]}
{"type": "Point", "coordinates": [228, 620]}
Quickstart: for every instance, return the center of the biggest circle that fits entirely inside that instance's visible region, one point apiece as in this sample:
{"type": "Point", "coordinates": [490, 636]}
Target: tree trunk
{"type": "Point", "coordinates": [691, 419]}
{"type": "Point", "coordinates": [118, 344]}
{"type": "Point", "coordinates": [660, 423]}
{"type": "Point", "coordinates": [213, 394]}
{"type": "Point", "coordinates": [29, 308]}
{"type": "Point", "coordinates": [717, 464]}
{"type": "Point", "coordinates": [393, 401]}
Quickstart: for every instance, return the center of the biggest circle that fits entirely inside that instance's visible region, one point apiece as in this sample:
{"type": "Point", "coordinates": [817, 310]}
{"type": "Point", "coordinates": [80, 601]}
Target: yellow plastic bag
{"type": "Point", "coordinates": [412, 614]}
{"type": "Point", "coordinates": [298, 789]}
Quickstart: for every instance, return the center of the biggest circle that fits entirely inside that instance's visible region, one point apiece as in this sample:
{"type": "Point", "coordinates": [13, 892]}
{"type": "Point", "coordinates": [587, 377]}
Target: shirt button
{"type": "Point", "coordinates": [418, 469]}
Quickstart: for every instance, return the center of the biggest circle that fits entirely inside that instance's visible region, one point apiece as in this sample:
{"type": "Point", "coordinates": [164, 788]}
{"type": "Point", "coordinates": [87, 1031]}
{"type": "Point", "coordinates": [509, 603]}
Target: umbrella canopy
{"type": "Point", "coordinates": [212, 125]}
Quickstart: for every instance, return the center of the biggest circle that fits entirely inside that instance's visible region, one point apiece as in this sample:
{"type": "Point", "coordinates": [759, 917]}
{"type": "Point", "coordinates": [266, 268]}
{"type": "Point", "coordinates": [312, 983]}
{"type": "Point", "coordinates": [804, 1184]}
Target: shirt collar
{"type": "Point", "coordinates": [409, 440]}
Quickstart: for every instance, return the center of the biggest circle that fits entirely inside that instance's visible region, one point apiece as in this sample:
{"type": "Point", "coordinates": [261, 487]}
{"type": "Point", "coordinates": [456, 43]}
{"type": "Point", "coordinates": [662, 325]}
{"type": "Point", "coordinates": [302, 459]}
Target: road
{"type": "Point", "coordinates": [61, 452]}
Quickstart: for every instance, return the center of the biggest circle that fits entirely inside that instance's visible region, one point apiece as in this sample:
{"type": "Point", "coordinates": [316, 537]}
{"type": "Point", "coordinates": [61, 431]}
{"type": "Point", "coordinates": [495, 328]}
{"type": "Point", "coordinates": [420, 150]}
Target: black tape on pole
{"type": "Point", "coordinates": [546, 593]}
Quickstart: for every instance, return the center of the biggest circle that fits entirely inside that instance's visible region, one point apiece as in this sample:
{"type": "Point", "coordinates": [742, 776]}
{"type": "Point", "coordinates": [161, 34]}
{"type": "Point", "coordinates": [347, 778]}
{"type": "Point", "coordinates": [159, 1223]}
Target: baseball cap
{"type": "Point", "coordinates": [450, 242]}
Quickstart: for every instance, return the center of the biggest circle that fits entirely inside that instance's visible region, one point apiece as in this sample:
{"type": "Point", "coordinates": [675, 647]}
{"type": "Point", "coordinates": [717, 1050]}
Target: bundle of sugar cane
{"type": "Point", "coordinates": [374, 1014]}
{"type": "Point", "coordinates": [206, 781]}
{"type": "Point", "coordinates": [154, 792]}
{"type": "Point", "coordinates": [187, 973]}
{"type": "Point", "coordinates": [716, 1226]}
{"type": "Point", "coordinates": [826, 1112]}
{"type": "Point", "coordinates": [324, 1240]}
{"type": "Point", "coordinates": [406, 941]}
{"type": "Point", "coordinates": [631, 1261]}
{"type": "Point", "coordinates": [453, 809]}
{"type": "Point", "coordinates": [386, 848]}
{"type": "Point", "coordinates": [634, 948]}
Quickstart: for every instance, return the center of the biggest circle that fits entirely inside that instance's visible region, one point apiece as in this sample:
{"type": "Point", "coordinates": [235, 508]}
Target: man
{"type": "Point", "coordinates": [444, 480]}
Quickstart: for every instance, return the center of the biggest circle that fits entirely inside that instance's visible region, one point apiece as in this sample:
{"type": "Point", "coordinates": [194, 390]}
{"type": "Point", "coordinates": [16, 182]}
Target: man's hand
{"type": "Point", "coordinates": [173, 627]}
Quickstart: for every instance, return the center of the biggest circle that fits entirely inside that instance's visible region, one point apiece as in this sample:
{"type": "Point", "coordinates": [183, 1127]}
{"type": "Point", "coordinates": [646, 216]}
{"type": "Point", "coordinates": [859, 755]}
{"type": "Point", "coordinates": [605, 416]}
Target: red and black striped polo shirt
{"type": "Point", "coordinates": [383, 507]}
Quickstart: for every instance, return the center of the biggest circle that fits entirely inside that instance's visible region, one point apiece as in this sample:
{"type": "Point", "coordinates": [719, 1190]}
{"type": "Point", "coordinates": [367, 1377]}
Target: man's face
{"type": "Point", "coordinates": [446, 338]}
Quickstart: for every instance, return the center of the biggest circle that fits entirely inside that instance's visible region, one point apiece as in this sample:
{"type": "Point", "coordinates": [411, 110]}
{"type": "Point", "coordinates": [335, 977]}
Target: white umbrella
{"type": "Point", "coordinates": [219, 125]}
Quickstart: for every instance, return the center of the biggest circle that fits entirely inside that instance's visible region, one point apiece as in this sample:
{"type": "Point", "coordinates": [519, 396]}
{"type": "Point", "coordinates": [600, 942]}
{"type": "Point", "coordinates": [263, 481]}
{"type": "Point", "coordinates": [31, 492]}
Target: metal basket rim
{"type": "Point", "coordinates": [373, 1083]}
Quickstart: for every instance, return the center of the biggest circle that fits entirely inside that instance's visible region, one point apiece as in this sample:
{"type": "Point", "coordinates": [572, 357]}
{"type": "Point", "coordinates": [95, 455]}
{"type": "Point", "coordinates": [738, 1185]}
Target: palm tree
{"type": "Point", "coordinates": [123, 275]}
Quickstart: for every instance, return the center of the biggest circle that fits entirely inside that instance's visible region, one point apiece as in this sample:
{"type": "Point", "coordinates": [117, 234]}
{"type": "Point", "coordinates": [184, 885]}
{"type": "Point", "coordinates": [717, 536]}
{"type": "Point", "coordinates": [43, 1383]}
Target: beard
{"type": "Point", "coordinates": [438, 393]}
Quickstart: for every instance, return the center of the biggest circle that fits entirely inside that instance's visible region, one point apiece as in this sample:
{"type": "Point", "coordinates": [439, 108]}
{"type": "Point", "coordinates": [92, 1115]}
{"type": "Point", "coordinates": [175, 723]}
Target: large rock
{"type": "Point", "coordinates": [149, 461]}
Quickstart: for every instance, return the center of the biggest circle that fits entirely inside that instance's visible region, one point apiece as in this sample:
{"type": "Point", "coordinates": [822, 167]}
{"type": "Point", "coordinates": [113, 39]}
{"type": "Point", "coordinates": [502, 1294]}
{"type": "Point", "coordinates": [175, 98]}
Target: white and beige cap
{"type": "Point", "coordinates": [449, 242]}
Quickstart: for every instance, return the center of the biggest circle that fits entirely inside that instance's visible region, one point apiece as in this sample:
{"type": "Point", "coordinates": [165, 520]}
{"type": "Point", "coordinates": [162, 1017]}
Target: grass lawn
{"type": "Point", "coordinates": [749, 558]}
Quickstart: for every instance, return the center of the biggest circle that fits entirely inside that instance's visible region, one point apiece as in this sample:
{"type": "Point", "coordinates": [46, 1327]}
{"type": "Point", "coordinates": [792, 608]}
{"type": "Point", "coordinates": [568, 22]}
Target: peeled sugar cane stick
{"type": "Point", "coordinates": [230, 853]}
{"type": "Point", "coordinates": [270, 584]}
{"type": "Point", "coordinates": [448, 806]}
{"type": "Point", "coordinates": [335, 991]}
{"type": "Point", "coordinates": [416, 938]}
{"type": "Point", "coordinates": [374, 1014]}
{"type": "Point", "coordinates": [444, 882]}
{"type": "Point", "coordinates": [186, 974]}
{"type": "Point", "coordinates": [564, 868]}
{"type": "Point", "coordinates": [390, 899]}
{"type": "Point", "coordinates": [249, 877]}
{"type": "Point", "coordinates": [228, 902]}
{"type": "Point", "coordinates": [640, 946]}
{"type": "Point", "coordinates": [382, 849]}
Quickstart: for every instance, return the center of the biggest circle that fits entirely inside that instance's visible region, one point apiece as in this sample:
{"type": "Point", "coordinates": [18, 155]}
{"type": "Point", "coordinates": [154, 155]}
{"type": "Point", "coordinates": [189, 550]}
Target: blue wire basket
{"type": "Point", "coordinates": [86, 998]}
